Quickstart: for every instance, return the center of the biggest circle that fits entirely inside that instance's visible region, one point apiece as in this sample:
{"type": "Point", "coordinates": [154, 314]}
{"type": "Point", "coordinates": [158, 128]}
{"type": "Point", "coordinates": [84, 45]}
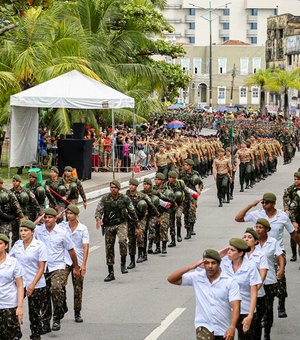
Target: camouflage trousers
{"type": "Point", "coordinates": [250, 335]}
{"type": "Point", "coordinates": [9, 324]}
{"type": "Point", "coordinates": [77, 286]}
{"type": "Point", "coordinates": [164, 226]}
{"type": "Point", "coordinates": [189, 213]}
{"type": "Point", "coordinates": [260, 311]}
{"type": "Point", "coordinates": [175, 219]}
{"type": "Point", "coordinates": [152, 228]}
{"type": "Point", "coordinates": [111, 232]}
{"type": "Point", "coordinates": [282, 288]}
{"type": "Point", "coordinates": [36, 302]}
{"type": "Point", "coordinates": [140, 240]}
{"type": "Point", "coordinates": [55, 293]}
{"type": "Point", "coordinates": [5, 228]}
{"type": "Point", "coordinates": [271, 293]}
{"type": "Point", "coordinates": [202, 333]}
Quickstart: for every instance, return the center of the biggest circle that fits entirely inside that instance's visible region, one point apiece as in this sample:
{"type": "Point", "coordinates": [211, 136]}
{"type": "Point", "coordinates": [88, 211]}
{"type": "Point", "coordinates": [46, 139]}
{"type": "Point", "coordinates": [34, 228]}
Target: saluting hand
{"type": "Point", "coordinates": [254, 203]}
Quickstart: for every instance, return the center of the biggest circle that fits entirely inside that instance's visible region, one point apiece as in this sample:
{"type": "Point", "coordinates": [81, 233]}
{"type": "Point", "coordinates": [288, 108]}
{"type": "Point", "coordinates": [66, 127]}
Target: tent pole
{"type": "Point", "coordinates": [134, 142]}
{"type": "Point", "coordinates": [113, 144]}
{"type": "Point", "coordinates": [8, 149]}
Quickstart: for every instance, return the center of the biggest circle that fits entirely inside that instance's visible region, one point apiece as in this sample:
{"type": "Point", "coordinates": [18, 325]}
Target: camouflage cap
{"type": "Point", "coordinates": [17, 178]}
{"type": "Point", "coordinates": [33, 174]}
{"type": "Point", "coordinates": [116, 183]}
{"type": "Point", "coordinates": [239, 244]}
{"type": "Point", "coordinates": [54, 168]}
{"type": "Point", "coordinates": [73, 208]}
{"type": "Point", "coordinates": [212, 254]}
{"type": "Point", "coordinates": [252, 232]}
{"type": "Point", "coordinates": [297, 174]}
{"type": "Point", "coordinates": [172, 174]}
{"type": "Point", "coordinates": [264, 223]}
{"type": "Point", "coordinates": [189, 162]}
{"type": "Point", "coordinates": [160, 176]}
{"type": "Point", "coordinates": [4, 238]}
{"type": "Point", "coordinates": [50, 211]}
{"type": "Point", "coordinates": [148, 181]}
{"type": "Point", "coordinates": [269, 197]}
{"type": "Point", "coordinates": [68, 168]}
{"type": "Point", "coordinates": [27, 224]}
{"type": "Point", "coordinates": [134, 181]}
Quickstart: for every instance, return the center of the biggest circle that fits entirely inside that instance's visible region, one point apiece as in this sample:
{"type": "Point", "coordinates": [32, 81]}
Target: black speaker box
{"type": "Point", "coordinates": [78, 130]}
{"type": "Point", "coordinates": [78, 154]}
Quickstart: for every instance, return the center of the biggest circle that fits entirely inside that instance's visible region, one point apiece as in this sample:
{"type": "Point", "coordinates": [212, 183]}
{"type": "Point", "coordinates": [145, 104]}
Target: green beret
{"type": "Point", "coordinates": [134, 181]}
{"type": "Point", "coordinates": [17, 178]}
{"type": "Point", "coordinates": [264, 223]}
{"type": "Point", "coordinates": [148, 181]}
{"type": "Point", "coordinates": [68, 168]}
{"type": "Point", "coordinates": [269, 197]}
{"type": "Point", "coordinates": [239, 244]}
{"type": "Point", "coordinates": [116, 183]}
{"type": "Point", "coordinates": [33, 174]}
{"type": "Point", "coordinates": [221, 150]}
{"type": "Point", "coordinates": [297, 174]}
{"type": "Point", "coordinates": [73, 208]}
{"type": "Point", "coordinates": [50, 211]}
{"type": "Point", "coordinates": [54, 168]}
{"type": "Point", "coordinates": [28, 224]}
{"type": "Point", "coordinates": [4, 238]}
{"type": "Point", "coordinates": [189, 162]}
{"type": "Point", "coordinates": [252, 232]}
{"type": "Point", "coordinates": [172, 174]}
{"type": "Point", "coordinates": [1, 180]}
{"type": "Point", "coordinates": [161, 176]}
{"type": "Point", "coordinates": [212, 254]}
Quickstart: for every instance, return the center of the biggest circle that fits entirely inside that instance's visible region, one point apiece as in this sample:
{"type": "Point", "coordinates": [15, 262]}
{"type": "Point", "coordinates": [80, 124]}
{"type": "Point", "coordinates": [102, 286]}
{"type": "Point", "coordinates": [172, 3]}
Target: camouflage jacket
{"type": "Point", "coordinates": [32, 208]}
{"type": "Point", "coordinates": [34, 186]}
{"type": "Point", "coordinates": [291, 202]}
{"type": "Point", "coordinates": [152, 210]}
{"type": "Point", "coordinates": [187, 178]}
{"type": "Point", "coordinates": [75, 194]}
{"type": "Point", "coordinates": [12, 206]}
{"type": "Point", "coordinates": [54, 186]}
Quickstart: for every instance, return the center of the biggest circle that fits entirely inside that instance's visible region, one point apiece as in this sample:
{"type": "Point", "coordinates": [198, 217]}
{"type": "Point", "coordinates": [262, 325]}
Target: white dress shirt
{"type": "Point", "coordinates": [271, 248]}
{"type": "Point", "coordinates": [278, 223]}
{"type": "Point", "coordinates": [10, 270]}
{"type": "Point", "coordinates": [56, 242]}
{"type": "Point", "coordinates": [246, 276]}
{"type": "Point", "coordinates": [213, 309]}
{"type": "Point", "coordinates": [79, 236]}
{"type": "Point", "coordinates": [29, 259]}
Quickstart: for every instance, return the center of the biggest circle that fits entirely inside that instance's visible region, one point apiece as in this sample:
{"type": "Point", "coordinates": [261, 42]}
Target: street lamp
{"type": "Point", "coordinates": [210, 10]}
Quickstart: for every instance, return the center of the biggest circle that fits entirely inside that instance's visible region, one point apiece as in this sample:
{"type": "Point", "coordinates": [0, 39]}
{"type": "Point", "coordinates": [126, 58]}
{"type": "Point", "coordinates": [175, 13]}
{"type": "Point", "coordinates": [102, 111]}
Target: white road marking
{"type": "Point", "coordinates": [93, 248]}
{"type": "Point", "coordinates": [203, 191]}
{"type": "Point", "coordinates": [165, 324]}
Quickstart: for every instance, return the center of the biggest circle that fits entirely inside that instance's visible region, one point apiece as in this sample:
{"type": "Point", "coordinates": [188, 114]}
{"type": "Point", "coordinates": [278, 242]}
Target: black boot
{"type": "Point", "coordinates": [157, 250]}
{"type": "Point", "coordinates": [220, 203]}
{"type": "Point", "coordinates": [132, 262]}
{"type": "Point", "coordinates": [77, 316]}
{"type": "Point", "coordinates": [242, 188]}
{"type": "Point", "coordinates": [110, 275]}
{"type": "Point", "coordinates": [294, 253]}
{"type": "Point", "coordinates": [179, 239]}
{"type": "Point", "coordinates": [192, 230]}
{"type": "Point", "coordinates": [145, 258]}
{"type": "Point", "coordinates": [188, 233]}
{"type": "Point", "coordinates": [150, 251]}
{"type": "Point", "coordinates": [56, 323]}
{"type": "Point", "coordinates": [173, 243]}
{"type": "Point", "coordinates": [32, 337]}
{"type": "Point", "coordinates": [140, 255]}
{"type": "Point", "coordinates": [267, 333]}
{"type": "Point", "coordinates": [281, 308]}
{"type": "Point", "coordinates": [164, 247]}
{"type": "Point", "coordinates": [123, 265]}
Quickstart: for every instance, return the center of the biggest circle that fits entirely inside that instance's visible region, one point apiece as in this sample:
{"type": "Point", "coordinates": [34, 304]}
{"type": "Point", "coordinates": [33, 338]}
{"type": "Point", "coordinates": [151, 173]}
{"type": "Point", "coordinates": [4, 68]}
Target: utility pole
{"type": "Point", "coordinates": [233, 75]}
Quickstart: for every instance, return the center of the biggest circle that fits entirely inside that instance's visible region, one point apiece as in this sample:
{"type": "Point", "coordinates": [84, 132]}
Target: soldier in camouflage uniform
{"type": "Point", "coordinates": [28, 203]}
{"type": "Point", "coordinates": [142, 204]}
{"type": "Point", "coordinates": [113, 213]}
{"type": "Point", "coordinates": [190, 178]}
{"type": "Point", "coordinates": [181, 194]}
{"type": "Point", "coordinates": [291, 205]}
{"type": "Point", "coordinates": [74, 186]}
{"type": "Point", "coordinates": [9, 210]}
{"type": "Point", "coordinates": [152, 220]}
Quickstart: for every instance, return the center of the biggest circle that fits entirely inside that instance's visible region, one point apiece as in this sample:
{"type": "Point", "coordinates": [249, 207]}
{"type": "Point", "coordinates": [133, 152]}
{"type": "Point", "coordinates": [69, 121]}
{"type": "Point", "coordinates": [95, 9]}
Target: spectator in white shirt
{"type": "Point", "coordinates": [57, 241]}
{"type": "Point", "coordinates": [32, 255]}
{"type": "Point", "coordinates": [217, 297]}
{"type": "Point", "coordinates": [279, 221]}
{"type": "Point", "coordinates": [79, 234]}
{"type": "Point", "coordinates": [11, 293]}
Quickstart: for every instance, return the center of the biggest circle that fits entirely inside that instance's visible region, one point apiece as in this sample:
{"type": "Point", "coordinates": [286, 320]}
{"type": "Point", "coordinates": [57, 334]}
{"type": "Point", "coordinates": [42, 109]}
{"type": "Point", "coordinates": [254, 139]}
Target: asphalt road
{"type": "Point", "coordinates": [142, 304]}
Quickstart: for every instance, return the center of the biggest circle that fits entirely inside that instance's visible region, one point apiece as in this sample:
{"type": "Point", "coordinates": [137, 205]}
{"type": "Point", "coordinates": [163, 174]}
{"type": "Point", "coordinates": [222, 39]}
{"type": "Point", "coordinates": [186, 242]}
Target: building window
{"type": "Point", "coordinates": [221, 95]}
{"type": "Point", "coordinates": [226, 11]}
{"type": "Point", "coordinates": [254, 40]}
{"type": "Point", "coordinates": [192, 25]}
{"type": "Point", "coordinates": [276, 11]}
{"type": "Point", "coordinates": [225, 38]}
{"type": "Point", "coordinates": [243, 95]}
{"type": "Point", "coordinates": [222, 63]}
{"type": "Point", "coordinates": [255, 95]}
{"type": "Point", "coordinates": [197, 66]}
{"type": "Point", "coordinates": [192, 40]}
{"type": "Point", "coordinates": [256, 62]}
{"type": "Point", "coordinates": [254, 11]}
{"type": "Point", "coordinates": [253, 25]}
{"type": "Point", "coordinates": [244, 66]}
{"type": "Point", "coordinates": [289, 58]}
{"type": "Point", "coordinates": [226, 26]}
{"type": "Point", "coordinates": [185, 64]}
{"type": "Point", "coordinates": [192, 11]}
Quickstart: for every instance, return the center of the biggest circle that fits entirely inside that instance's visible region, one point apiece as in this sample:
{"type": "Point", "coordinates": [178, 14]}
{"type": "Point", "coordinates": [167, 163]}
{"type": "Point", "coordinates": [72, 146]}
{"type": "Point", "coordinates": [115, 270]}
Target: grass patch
{"type": "Point", "coordinates": [7, 174]}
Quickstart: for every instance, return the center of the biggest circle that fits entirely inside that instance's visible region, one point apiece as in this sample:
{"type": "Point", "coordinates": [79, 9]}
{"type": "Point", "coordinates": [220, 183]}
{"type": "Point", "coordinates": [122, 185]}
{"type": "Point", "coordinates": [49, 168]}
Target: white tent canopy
{"type": "Point", "coordinates": [72, 90]}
